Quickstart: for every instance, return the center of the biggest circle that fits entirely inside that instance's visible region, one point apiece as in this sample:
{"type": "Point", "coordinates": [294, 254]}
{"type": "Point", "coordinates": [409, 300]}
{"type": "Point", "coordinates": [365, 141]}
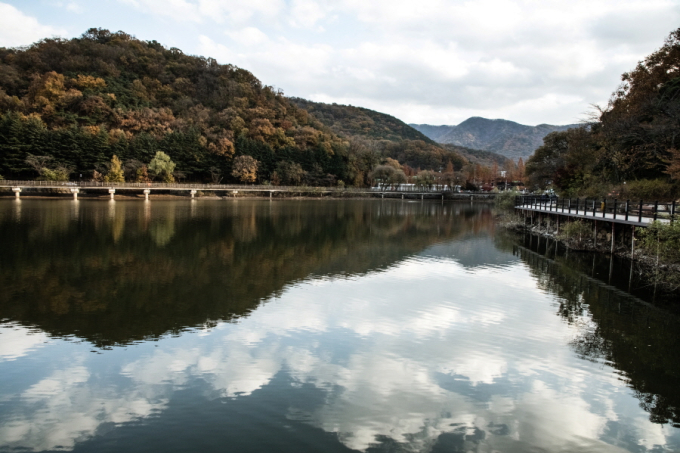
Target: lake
{"type": "Point", "coordinates": [319, 326]}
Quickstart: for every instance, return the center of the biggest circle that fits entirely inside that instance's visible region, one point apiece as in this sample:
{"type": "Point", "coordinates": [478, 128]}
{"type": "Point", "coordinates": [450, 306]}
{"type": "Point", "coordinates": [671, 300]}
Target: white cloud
{"type": "Point", "coordinates": [178, 10]}
{"type": "Point", "coordinates": [18, 29]}
{"type": "Point", "coordinates": [74, 7]}
{"type": "Point", "coordinates": [306, 13]}
{"type": "Point", "coordinates": [208, 10]}
{"type": "Point", "coordinates": [537, 62]}
{"type": "Point", "coordinates": [433, 61]}
{"type": "Point", "coordinates": [280, 56]}
{"type": "Point", "coordinates": [248, 36]}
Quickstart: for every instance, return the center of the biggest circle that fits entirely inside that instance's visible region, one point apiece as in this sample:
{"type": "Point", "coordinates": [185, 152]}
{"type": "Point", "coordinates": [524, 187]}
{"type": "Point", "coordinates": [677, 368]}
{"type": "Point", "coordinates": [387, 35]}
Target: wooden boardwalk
{"type": "Point", "coordinates": [635, 213]}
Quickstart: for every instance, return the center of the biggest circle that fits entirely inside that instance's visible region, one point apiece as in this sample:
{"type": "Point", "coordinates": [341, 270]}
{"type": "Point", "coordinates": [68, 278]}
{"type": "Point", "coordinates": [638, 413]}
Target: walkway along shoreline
{"type": "Point", "coordinates": [597, 235]}
{"type": "Point", "coordinates": [92, 189]}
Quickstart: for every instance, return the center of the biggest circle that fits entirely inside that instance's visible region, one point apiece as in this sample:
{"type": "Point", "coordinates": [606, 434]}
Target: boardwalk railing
{"type": "Point", "coordinates": [639, 211]}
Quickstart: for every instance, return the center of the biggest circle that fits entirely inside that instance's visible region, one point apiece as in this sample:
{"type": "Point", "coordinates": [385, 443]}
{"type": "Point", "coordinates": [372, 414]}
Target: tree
{"type": "Point", "coordinates": [39, 163]}
{"type": "Point", "coordinates": [393, 163]}
{"type": "Point", "coordinates": [567, 159]}
{"type": "Point", "coordinates": [115, 171]}
{"type": "Point", "coordinates": [215, 175]}
{"type": "Point", "coordinates": [142, 174]}
{"type": "Point", "coordinates": [398, 177]}
{"type": "Point", "coordinates": [673, 168]}
{"type": "Point", "coordinates": [288, 173]}
{"type": "Point", "coordinates": [426, 179]}
{"type": "Point", "coordinates": [386, 175]}
{"type": "Point", "coordinates": [245, 169]}
{"type": "Point", "coordinates": [640, 125]}
{"type": "Point", "coordinates": [520, 170]}
{"type": "Point", "coordinates": [161, 166]}
{"type": "Point", "coordinates": [130, 169]}
{"type": "Point", "coordinates": [47, 169]}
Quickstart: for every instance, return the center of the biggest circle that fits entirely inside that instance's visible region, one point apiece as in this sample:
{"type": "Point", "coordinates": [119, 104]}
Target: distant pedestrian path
{"type": "Point", "coordinates": [146, 188]}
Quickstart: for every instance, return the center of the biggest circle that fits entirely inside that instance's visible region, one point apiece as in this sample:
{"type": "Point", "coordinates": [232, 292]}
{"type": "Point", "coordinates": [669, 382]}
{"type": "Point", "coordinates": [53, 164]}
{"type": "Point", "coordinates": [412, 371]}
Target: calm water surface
{"type": "Point", "coordinates": [317, 326]}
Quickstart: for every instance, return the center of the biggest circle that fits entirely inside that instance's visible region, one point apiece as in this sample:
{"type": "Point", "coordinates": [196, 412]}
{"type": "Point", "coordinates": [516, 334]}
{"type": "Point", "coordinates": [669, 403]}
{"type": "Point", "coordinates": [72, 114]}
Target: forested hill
{"type": "Point", "coordinates": [348, 121]}
{"type": "Point", "coordinates": [510, 139]}
{"type": "Point", "coordinates": [78, 102]}
{"type": "Point", "coordinates": [481, 157]}
{"type": "Point", "coordinates": [388, 135]}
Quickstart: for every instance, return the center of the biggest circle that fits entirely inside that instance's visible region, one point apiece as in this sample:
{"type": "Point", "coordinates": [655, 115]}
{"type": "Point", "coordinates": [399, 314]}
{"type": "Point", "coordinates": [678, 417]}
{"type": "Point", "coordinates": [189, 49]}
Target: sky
{"type": "Point", "coordinates": [426, 62]}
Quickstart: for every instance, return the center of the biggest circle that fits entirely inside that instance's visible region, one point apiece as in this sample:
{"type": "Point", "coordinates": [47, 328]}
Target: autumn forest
{"type": "Point", "coordinates": [109, 106]}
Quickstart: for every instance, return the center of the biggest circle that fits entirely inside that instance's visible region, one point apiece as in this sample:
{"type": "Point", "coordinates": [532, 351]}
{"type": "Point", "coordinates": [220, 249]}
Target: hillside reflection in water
{"type": "Point", "coordinates": [313, 326]}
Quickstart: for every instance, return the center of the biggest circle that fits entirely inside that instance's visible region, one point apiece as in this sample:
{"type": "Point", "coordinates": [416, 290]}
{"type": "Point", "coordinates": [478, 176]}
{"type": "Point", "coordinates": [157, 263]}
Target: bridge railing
{"type": "Point", "coordinates": [606, 208]}
{"type": "Point", "coordinates": [159, 185]}
{"type": "Point", "coordinates": [208, 187]}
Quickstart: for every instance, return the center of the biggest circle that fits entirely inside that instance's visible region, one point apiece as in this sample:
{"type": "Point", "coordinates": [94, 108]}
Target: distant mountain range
{"type": "Point", "coordinates": [358, 122]}
{"type": "Point", "coordinates": [510, 139]}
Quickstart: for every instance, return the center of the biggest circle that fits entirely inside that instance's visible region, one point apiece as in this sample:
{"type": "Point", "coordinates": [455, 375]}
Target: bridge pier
{"type": "Point", "coordinates": [193, 192]}
{"type": "Point", "coordinates": [17, 192]}
{"type": "Point", "coordinates": [75, 191]}
{"type": "Point", "coordinates": [112, 192]}
{"type": "Point", "coordinates": [146, 194]}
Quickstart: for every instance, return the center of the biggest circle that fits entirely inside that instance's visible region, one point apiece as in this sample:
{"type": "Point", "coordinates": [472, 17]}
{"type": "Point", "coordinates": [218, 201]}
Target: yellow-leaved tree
{"type": "Point", "coordinates": [245, 169]}
{"type": "Point", "coordinates": [161, 166]}
{"type": "Point", "coordinates": [115, 173]}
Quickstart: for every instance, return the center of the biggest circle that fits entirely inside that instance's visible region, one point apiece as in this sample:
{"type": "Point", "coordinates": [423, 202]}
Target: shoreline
{"type": "Point", "coordinates": [648, 267]}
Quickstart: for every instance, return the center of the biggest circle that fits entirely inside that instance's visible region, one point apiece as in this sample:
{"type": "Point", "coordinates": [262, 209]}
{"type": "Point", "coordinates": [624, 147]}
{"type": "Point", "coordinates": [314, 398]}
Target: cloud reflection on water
{"type": "Point", "coordinates": [17, 341]}
{"type": "Point", "coordinates": [424, 348]}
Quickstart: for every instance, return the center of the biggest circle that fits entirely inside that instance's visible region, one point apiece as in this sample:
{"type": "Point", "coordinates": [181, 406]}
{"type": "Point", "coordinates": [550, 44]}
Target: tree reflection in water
{"type": "Point", "coordinates": [365, 325]}
{"type": "Point", "coordinates": [125, 271]}
{"type": "Point", "coordinates": [615, 327]}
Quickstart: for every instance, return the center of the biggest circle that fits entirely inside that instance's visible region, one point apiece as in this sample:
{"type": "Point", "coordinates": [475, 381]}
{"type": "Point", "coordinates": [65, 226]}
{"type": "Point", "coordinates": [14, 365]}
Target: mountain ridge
{"type": "Point", "coordinates": [508, 138]}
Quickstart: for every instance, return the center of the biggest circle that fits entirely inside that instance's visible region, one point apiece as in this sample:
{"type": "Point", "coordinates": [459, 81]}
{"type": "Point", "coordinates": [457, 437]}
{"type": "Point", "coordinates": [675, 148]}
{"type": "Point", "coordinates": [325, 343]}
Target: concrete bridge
{"type": "Point", "coordinates": [76, 188]}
